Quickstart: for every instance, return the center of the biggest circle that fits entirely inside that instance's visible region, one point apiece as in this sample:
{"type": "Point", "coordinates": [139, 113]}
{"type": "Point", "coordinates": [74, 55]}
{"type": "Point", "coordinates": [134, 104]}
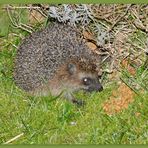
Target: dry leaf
{"type": "Point", "coordinates": [35, 16]}
{"type": "Point", "coordinates": [87, 35]}
{"type": "Point", "coordinates": [91, 45]}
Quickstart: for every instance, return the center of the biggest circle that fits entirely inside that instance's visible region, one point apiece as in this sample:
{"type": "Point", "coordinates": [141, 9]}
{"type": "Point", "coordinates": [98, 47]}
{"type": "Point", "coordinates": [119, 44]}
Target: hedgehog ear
{"type": "Point", "coordinates": [72, 68]}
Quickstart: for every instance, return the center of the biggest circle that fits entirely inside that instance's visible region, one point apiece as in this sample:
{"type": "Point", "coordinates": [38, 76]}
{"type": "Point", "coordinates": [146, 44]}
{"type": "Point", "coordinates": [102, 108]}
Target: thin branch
{"type": "Point", "coordinates": [19, 7]}
{"type": "Point", "coordinates": [119, 18]}
{"type": "Point", "coordinates": [15, 25]}
{"type": "Point", "coordinates": [42, 13]}
{"type": "Point", "coordinates": [14, 138]}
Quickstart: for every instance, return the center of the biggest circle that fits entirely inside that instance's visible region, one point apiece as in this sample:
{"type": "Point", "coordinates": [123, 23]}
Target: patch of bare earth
{"type": "Point", "coordinates": [119, 100]}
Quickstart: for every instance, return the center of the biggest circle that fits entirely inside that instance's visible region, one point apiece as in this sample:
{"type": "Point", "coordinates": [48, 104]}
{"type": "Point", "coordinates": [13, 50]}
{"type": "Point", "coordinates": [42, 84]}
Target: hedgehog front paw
{"type": "Point", "coordinates": [78, 102]}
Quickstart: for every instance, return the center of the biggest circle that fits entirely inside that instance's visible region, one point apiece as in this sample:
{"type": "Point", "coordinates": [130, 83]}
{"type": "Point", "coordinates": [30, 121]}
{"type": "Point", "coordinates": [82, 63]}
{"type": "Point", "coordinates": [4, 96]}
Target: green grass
{"type": "Point", "coordinates": [48, 120]}
{"type": "Point", "coordinates": [44, 121]}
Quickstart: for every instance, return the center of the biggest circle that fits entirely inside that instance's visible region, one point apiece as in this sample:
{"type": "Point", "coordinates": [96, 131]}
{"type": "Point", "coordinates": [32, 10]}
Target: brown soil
{"type": "Point", "coordinates": [119, 100]}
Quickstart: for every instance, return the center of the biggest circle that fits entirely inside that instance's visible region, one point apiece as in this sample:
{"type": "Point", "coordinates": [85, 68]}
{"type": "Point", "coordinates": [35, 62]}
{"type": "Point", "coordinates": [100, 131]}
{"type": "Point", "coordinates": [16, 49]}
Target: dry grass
{"type": "Point", "coordinates": [116, 115]}
{"type": "Point", "coordinates": [126, 26]}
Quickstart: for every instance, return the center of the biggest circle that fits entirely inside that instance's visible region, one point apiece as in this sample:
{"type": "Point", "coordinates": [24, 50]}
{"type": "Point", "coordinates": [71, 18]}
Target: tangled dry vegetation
{"type": "Point", "coordinates": [117, 31]}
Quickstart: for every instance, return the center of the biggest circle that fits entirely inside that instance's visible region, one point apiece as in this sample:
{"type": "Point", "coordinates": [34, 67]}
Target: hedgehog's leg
{"type": "Point", "coordinates": [78, 102]}
{"type": "Point", "coordinates": [71, 98]}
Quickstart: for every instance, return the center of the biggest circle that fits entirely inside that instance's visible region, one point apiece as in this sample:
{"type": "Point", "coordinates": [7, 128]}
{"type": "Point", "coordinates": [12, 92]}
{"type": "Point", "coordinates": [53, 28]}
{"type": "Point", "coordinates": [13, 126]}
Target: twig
{"type": "Point", "coordinates": [15, 138]}
{"type": "Point", "coordinates": [14, 45]}
{"type": "Point", "coordinates": [137, 46]}
{"type": "Point", "coordinates": [34, 17]}
{"type": "Point", "coordinates": [102, 19]}
{"type": "Point", "coordinates": [27, 26]}
{"type": "Point", "coordinates": [119, 18]}
{"type": "Point", "coordinates": [42, 13]}
{"type": "Point", "coordinates": [10, 16]}
{"type": "Point", "coordinates": [20, 7]}
{"type": "Point", "coordinates": [15, 25]}
{"type": "Point", "coordinates": [23, 28]}
{"type": "Point", "coordinates": [138, 23]}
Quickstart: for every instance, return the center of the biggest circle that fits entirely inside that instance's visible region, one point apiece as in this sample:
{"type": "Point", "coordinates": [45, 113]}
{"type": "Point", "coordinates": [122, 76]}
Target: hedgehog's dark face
{"type": "Point", "coordinates": [91, 84]}
{"type": "Point", "coordinates": [84, 80]}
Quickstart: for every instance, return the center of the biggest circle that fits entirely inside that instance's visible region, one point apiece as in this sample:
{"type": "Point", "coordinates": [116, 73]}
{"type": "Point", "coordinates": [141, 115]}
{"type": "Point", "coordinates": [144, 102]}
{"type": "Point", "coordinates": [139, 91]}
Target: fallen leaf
{"type": "Point", "coordinates": [87, 35]}
{"type": "Point", "coordinates": [35, 16]}
{"type": "Point", "coordinates": [91, 45]}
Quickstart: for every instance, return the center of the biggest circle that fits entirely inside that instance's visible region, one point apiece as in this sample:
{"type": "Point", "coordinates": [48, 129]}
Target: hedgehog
{"type": "Point", "coordinates": [55, 60]}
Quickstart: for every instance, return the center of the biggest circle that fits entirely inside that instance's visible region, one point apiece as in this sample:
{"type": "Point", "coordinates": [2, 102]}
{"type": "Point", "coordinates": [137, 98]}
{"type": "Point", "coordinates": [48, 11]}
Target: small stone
{"type": "Point", "coordinates": [73, 123]}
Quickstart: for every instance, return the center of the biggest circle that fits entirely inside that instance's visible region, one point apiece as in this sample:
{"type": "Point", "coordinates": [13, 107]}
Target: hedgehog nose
{"type": "Point", "coordinates": [99, 87]}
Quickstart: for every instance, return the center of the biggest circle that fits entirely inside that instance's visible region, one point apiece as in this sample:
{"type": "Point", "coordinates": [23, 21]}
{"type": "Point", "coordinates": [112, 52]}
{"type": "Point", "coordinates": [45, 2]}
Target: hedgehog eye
{"type": "Point", "coordinates": [86, 81]}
